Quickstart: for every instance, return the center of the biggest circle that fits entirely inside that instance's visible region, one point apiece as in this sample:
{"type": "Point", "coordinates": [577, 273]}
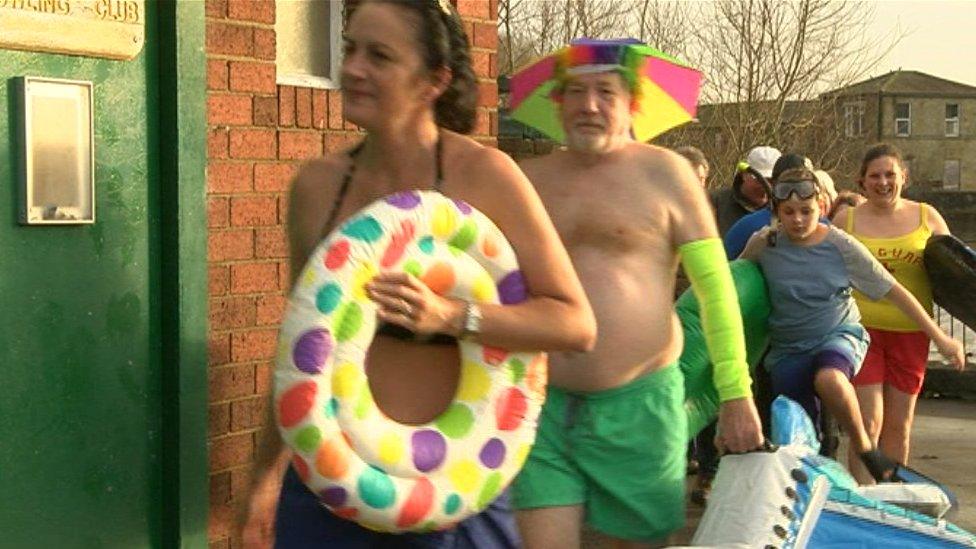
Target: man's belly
{"type": "Point", "coordinates": [637, 331]}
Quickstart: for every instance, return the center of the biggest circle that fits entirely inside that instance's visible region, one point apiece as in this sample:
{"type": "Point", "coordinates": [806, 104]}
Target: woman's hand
{"type": "Point", "coordinates": [406, 301]}
{"type": "Point", "coordinates": [952, 351]}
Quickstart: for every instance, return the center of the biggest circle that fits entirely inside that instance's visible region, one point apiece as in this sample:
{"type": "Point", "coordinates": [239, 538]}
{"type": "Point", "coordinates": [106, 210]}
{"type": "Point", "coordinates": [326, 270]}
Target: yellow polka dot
{"type": "Point", "coordinates": [474, 382]}
{"type": "Point", "coordinates": [391, 449]}
{"type": "Point", "coordinates": [364, 404]}
{"type": "Point", "coordinates": [308, 278]}
{"type": "Point", "coordinates": [346, 380]}
{"type": "Point", "coordinates": [521, 455]}
{"type": "Point", "coordinates": [483, 289]}
{"type": "Point", "coordinates": [465, 475]}
{"type": "Point", "coordinates": [443, 221]}
{"type": "Point", "coordinates": [363, 275]}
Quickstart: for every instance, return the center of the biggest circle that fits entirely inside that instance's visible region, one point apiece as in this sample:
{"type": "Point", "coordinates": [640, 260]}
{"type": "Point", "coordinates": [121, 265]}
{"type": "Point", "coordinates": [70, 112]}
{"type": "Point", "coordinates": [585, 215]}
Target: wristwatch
{"type": "Point", "coordinates": [471, 321]}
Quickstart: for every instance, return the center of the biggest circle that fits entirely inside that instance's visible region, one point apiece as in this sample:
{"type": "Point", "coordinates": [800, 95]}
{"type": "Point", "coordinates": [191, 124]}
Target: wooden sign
{"type": "Point", "coordinates": [96, 28]}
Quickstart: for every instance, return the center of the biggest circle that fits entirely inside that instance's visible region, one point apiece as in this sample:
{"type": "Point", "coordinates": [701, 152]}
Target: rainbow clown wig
{"type": "Point", "coordinates": [664, 91]}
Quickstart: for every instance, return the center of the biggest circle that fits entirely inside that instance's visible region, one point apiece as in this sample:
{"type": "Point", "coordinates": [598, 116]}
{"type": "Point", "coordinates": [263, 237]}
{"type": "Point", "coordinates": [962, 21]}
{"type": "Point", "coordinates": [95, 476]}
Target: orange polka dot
{"type": "Point", "coordinates": [536, 374]}
{"type": "Point", "coordinates": [332, 460]}
{"type": "Point", "coordinates": [489, 247]}
{"type": "Point", "coordinates": [439, 278]}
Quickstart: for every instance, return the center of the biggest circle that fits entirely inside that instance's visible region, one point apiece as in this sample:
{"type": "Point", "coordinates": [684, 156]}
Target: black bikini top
{"type": "Point", "coordinates": [384, 328]}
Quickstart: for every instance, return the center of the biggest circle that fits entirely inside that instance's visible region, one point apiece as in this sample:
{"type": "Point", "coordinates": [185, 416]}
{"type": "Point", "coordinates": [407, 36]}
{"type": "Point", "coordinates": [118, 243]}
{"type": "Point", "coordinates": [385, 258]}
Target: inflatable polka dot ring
{"type": "Point", "coordinates": [363, 465]}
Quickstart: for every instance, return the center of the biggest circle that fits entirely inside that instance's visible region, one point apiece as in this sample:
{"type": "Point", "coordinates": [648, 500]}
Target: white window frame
{"type": "Point", "coordinates": [854, 119]}
{"type": "Point", "coordinates": [907, 120]}
{"type": "Point", "coordinates": [337, 9]}
{"type": "Point", "coordinates": [952, 123]}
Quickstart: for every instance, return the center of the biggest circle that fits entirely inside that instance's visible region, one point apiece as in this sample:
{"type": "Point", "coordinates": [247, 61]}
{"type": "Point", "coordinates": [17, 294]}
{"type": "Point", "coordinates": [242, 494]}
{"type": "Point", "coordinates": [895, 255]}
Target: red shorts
{"type": "Point", "coordinates": [896, 358]}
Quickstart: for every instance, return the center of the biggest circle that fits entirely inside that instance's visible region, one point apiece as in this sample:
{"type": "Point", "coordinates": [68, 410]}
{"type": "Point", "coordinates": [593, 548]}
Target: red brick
{"type": "Point", "coordinates": [253, 211]}
{"type": "Point", "coordinates": [479, 62]}
{"type": "Point", "coordinates": [232, 312]}
{"type": "Point", "coordinates": [219, 280]}
{"type": "Point", "coordinates": [493, 66]}
{"type": "Point", "coordinates": [286, 106]}
{"type": "Point", "coordinates": [231, 383]}
{"type": "Point", "coordinates": [217, 143]}
{"type": "Point", "coordinates": [265, 44]}
{"type": "Point", "coordinates": [468, 30]}
{"type": "Point", "coordinates": [493, 122]}
{"type": "Point", "coordinates": [216, 8]}
{"type": "Point", "coordinates": [473, 8]}
{"type": "Point", "coordinates": [265, 111]}
{"type": "Point", "coordinates": [293, 145]}
{"type": "Point", "coordinates": [252, 77]}
{"type": "Point", "coordinates": [485, 36]}
{"type": "Point", "coordinates": [230, 451]}
{"type": "Point", "coordinates": [219, 423]}
{"type": "Point", "coordinates": [224, 39]}
{"type": "Point", "coordinates": [248, 413]}
{"type": "Point", "coordinates": [221, 523]}
{"type": "Point", "coordinates": [340, 142]}
{"type": "Point", "coordinates": [224, 109]}
{"type": "Point", "coordinates": [320, 109]}
{"type": "Point", "coordinates": [347, 125]}
{"type": "Point", "coordinates": [220, 487]}
{"type": "Point", "coordinates": [488, 94]}
{"type": "Point", "coordinates": [270, 309]}
{"type": "Point", "coordinates": [254, 345]}
{"type": "Point", "coordinates": [284, 275]}
{"type": "Point", "coordinates": [216, 74]}
{"type": "Point", "coordinates": [283, 210]}
{"type": "Point", "coordinates": [482, 126]}
{"type": "Point", "coordinates": [218, 352]}
{"type": "Point", "coordinates": [271, 243]}
{"type": "Point", "coordinates": [240, 481]}
{"type": "Point", "coordinates": [262, 378]}
{"type": "Point", "coordinates": [253, 277]}
{"type": "Point", "coordinates": [493, 9]}
{"type": "Point", "coordinates": [257, 144]}
{"type": "Point", "coordinates": [335, 110]}
{"type": "Point", "coordinates": [218, 212]}
{"type": "Point", "coordinates": [274, 177]}
{"type": "Point", "coordinates": [258, 11]}
{"type": "Point", "coordinates": [230, 177]}
{"type": "Point", "coordinates": [230, 245]}
{"type": "Point", "coordinates": [303, 107]}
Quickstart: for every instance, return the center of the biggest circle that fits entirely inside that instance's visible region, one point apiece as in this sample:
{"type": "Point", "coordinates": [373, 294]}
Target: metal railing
{"type": "Point", "coordinates": [957, 330]}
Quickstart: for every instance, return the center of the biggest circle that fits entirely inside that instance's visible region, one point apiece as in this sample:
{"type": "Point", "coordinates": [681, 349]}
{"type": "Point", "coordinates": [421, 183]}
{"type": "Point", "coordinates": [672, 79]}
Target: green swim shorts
{"type": "Point", "coordinates": [621, 453]}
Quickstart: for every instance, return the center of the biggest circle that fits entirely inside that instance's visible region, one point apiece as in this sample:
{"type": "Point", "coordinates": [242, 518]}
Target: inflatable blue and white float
{"type": "Point", "coordinates": [792, 497]}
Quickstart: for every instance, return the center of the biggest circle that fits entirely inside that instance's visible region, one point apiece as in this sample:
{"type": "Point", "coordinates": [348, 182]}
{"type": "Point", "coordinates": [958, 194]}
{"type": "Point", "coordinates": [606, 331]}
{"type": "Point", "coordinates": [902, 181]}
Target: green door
{"type": "Point", "coordinates": [88, 457]}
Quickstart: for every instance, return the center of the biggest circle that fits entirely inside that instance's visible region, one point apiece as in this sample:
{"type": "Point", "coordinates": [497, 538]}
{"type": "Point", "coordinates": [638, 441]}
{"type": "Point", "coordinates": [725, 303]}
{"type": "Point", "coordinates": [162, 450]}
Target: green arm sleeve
{"type": "Point", "coordinates": [711, 281]}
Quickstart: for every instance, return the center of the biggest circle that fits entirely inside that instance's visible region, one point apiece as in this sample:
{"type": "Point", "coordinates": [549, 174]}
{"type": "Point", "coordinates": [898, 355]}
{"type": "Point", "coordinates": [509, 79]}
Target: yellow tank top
{"type": "Point", "coordinates": [902, 256]}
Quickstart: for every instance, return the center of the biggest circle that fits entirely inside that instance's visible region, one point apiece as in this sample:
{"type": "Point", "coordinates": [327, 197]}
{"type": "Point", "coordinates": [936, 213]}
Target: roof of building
{"type": "Point", "coordinates": [902, 82]}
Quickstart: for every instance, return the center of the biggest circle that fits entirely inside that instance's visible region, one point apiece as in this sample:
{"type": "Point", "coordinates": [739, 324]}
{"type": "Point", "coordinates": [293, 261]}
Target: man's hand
{"type": "Point", "coordinates": [739, 429]}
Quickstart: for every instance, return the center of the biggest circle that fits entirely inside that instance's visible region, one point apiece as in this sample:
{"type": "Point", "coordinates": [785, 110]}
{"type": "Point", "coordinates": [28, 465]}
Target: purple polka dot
{"type": "Point", "coordinates": [493, 454]}
{"type": "Point", "coordinates": [311, 350]}
{"type": "Point", "coordinates": [429, 449]}
{"type": "Point", "coordinates": [463, 206]}
{"type": "Point", "coordinates": [406, 200]}
{"type": "Point", "coordinates": [511, 289]}
{"type": "Point", "coordinates": [334, 496]}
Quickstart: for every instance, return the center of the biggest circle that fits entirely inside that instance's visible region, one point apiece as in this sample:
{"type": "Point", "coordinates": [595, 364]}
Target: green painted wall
{"type": "Point", "coordinates": [80, 367]}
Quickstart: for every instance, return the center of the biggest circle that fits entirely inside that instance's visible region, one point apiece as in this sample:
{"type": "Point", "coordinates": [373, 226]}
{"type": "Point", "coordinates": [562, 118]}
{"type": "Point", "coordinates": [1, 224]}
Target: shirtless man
{"type": "Point", "coordinates": [612, 437]}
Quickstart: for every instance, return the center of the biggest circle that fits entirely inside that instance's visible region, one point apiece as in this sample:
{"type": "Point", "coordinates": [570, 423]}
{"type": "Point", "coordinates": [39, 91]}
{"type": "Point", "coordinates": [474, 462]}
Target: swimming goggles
{"type": "Point", "coordinates": [803, 189]}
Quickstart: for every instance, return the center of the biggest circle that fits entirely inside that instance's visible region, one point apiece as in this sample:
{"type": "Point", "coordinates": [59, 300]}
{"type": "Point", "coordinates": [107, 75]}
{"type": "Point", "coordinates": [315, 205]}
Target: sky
{"type": "Point", "coordinates": [941, 37]}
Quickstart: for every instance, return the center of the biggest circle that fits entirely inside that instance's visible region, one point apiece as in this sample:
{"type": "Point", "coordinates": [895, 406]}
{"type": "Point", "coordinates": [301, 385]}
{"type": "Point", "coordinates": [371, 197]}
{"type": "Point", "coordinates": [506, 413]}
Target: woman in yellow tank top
{"type": "Point", "coordinates": [895, 230]}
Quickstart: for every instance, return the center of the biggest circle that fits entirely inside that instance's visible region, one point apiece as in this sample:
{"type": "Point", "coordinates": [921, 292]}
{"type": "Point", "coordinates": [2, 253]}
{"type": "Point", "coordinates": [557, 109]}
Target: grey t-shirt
{"type": "Point", "coordinates": [810, 287]}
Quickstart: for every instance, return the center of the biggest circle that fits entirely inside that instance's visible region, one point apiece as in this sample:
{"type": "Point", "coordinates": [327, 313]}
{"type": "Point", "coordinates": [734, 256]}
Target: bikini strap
{"type": "Point", "coordinates": [850, 220]}
{"type": "Point", "coordinates": [438, 148]}
{"type": "Point", "coordinates": [924, 215]}
{"type": "Point", "coordinates": [344, 188]}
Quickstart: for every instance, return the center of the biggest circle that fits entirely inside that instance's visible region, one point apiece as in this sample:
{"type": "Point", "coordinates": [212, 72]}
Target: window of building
{"type": "Point", "coordinates": [309, 42]}
{"type": "Point", "coordinates": [952, 120]}
{"type": "Point", "coordinates": [950, 174]}
{"type": "Point", "coordinates": [854, 119]}
{"type": "Point", "coordinates": [903, 119]}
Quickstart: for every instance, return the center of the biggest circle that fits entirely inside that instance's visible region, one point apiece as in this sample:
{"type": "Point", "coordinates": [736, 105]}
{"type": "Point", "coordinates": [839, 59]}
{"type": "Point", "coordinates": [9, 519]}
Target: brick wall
{"type": "Point", "coordinates": [258, 135]}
